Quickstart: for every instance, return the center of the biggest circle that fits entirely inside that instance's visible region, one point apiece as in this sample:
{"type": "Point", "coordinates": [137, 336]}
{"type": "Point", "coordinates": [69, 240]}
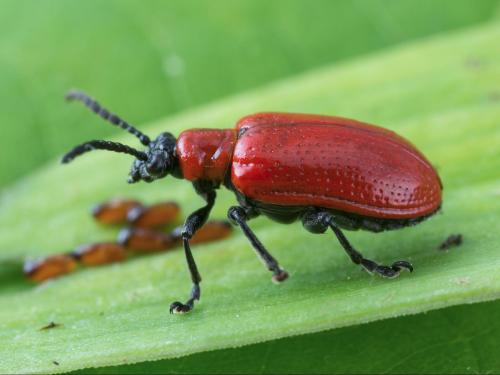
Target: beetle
{"type": "Point", "coordinates": [328, 172]}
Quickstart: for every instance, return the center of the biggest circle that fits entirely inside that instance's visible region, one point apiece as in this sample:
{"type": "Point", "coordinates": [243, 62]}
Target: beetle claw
{"type": "Point", "coordinates": [385, 271]}
{"type": "Point", "coordinates": [402, 264]}
{"type": "Point", "coordinates": [394, 270]}
{"type": "Point", "coordinates": [179, 308]}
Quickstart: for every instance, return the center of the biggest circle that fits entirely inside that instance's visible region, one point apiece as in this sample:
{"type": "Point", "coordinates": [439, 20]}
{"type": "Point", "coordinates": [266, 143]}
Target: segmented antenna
{"type": "Point", "coordinates": [106, 115]}
{"type": "Point", "coordinates": [103, 145]}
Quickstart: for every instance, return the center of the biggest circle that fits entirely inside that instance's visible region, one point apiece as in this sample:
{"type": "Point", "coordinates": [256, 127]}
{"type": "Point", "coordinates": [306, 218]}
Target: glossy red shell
{"type": "Point", "coordinates": [332, 162]}
{"type": "Point", "coordinates": [205, 154]}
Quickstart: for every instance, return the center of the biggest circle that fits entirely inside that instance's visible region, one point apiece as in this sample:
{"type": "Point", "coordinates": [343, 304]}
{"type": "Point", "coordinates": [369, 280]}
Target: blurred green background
{"type": "Point", "coordinates": [149, 60]}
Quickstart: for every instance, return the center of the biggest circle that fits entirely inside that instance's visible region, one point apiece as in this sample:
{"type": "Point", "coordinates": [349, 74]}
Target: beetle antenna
{"type": "Point", "coordinates": [106, 115]}
{"type": "Point", "coordinates": [103, 145]}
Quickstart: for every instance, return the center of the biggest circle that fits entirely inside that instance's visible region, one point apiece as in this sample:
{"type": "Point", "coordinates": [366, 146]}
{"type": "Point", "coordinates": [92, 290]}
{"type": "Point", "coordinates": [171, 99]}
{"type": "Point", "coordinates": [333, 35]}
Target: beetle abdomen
{"type": "Point", "coordinates": [333, 163]}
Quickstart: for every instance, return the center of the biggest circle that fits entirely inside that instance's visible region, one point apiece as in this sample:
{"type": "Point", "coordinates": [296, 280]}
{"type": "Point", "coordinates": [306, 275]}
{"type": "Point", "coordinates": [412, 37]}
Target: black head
{"type": "Point", "coordinates": [160, 160]}
{"type": "Point", "coordinates": [157, 161]}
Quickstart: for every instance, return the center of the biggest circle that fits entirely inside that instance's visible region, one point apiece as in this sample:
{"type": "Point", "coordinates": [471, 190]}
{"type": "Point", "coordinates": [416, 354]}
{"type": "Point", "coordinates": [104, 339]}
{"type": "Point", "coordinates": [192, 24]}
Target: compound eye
{"type": "Point", "coordinates": [155, 166]}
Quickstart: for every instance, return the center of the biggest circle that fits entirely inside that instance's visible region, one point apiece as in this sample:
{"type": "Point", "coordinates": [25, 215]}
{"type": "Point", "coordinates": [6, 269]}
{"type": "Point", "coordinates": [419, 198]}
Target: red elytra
{"type": "Point", "coordinates": [328, 172]}
{"type": "Point", "coordinates": [301, 160]}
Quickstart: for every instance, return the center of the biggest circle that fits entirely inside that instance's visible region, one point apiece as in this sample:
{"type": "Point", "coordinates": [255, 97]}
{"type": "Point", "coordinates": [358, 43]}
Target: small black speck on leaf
{"type": "Point", "coordinates": [50, 326]}
{"type": "Point", "coordinates": [452, 241]}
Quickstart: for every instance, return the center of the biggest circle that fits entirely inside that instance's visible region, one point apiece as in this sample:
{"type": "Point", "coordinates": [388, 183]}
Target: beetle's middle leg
{"type": "Point", "coordinates": [239, 216]}
{"type": "Point", "coordinates": [320, 221]}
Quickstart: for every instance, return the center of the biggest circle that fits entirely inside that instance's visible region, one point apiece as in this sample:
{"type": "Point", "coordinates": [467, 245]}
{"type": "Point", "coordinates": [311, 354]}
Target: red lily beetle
{"type": "Point", "coordinates": [328, 172]}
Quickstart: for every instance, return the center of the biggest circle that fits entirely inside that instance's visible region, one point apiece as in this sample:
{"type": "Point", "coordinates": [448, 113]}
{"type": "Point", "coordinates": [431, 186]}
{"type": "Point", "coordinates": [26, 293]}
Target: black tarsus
{"type": "Point", "coordinates": [194, 222]}
{"type": "Point", "coordinates": [239, 216]}
{"type": "Point", "coordinates": [106, 115]}
{"type": "Point", "coordinates": [103, 145]}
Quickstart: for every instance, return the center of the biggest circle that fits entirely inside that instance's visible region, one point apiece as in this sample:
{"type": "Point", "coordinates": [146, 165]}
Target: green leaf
{"type": "Point", "coordinates": [454, 340]}
{"type": "Point", "coordinates": [168, 56]}
{"type": "Point", "coordinates": [442, 94]}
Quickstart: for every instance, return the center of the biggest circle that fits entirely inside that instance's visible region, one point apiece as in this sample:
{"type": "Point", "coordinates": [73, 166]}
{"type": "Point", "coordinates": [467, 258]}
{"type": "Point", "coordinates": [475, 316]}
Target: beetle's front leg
{"type": "Point", "coordinates": [194, 222]}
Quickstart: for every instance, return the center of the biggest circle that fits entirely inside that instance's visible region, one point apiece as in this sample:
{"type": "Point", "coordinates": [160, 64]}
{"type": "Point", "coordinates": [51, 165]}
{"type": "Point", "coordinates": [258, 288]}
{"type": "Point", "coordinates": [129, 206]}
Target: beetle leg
{"type": "Point", "coordinates": [322, 220]}
{"type": "Point", "coordinates": [369, 265]}
{"type": "Point", "coordinates": [238, 216]}
{"type": "Point", "coordinates": [194, 222]}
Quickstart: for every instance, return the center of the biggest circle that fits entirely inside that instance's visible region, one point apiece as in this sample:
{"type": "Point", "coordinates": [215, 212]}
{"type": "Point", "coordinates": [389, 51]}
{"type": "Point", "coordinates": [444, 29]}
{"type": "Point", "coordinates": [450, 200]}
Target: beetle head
{"type": "Point", "coordinates": [155, 162]}
{"type": "Point", "coordinates": [160, 160]}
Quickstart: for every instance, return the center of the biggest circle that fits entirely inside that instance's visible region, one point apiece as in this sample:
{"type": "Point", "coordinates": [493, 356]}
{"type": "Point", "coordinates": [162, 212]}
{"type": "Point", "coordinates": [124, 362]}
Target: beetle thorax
{"type": "Point", "coordinates": [206, 154]}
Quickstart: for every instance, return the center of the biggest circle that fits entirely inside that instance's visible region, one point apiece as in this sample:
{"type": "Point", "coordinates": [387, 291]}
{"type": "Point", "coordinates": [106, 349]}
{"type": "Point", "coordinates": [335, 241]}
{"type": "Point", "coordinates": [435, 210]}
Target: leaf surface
{"type": "Point", "coordinates": [455, 340]}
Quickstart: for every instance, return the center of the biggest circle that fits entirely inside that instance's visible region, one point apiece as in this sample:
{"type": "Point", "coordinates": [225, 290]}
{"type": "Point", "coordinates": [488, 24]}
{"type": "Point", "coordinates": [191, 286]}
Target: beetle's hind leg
{"type": "Point", "coordinates": [320, 221]}
{"type": "Point", "coordinates": [239, 216]}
